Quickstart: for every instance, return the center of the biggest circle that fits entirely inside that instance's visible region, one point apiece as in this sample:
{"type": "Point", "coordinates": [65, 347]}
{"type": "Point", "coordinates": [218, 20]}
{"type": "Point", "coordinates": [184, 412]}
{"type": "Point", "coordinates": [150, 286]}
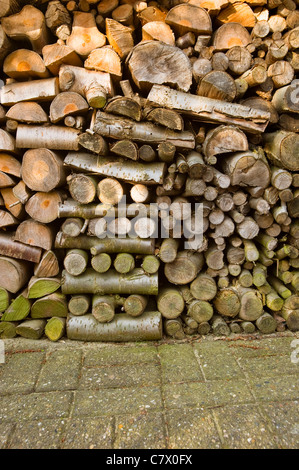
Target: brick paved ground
{"type": "Point", "coordinates": [237, 393]}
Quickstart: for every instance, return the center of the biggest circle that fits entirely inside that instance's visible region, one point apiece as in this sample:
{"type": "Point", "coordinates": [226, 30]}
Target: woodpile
{"type": "Point", "coordinates": [189, 111]}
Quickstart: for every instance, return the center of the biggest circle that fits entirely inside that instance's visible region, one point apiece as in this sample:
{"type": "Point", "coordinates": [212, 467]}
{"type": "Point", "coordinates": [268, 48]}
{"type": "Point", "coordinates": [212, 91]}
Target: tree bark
{"type": "Point", "coordinates": [32, 329]}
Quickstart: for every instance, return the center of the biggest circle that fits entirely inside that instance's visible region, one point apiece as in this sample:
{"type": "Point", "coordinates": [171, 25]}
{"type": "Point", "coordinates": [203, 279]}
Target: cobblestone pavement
{"type": "Point", "coordinates": [206, 393]}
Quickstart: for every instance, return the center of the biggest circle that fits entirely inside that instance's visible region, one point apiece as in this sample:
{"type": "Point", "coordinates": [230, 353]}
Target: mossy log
{"type": "Point", "coordinates": [53, 305]}
{"type": "Point", "coordinates": [8, 330]}
{"type": "Point", "coordinates": [32, 329]}
{"type": "Point", "coordinates": [19, 308]}
{"type": "Point", "coordinates": [55, 328]}
{"type": "Point", "coordinates": [41, 286]}
{"type": "Point", "coordinates": [266, 323]}
{"type": "Point", "coordinates": [5, 298]}
{"type": "Point", "coordinates": [147, 327]}
{"type": "Point", "coordinates": [79, 304]}
{"type": "Point", "coordinates": [170, 302]}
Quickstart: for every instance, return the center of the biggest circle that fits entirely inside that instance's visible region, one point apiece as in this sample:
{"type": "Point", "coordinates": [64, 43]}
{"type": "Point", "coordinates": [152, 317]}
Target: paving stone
{"type": "Point", "coordinates": [179, 363]}
{"type": "Point", "coordinates": [269, 365]}
{"type": "Point", "coordinates": [275, 388]}
{"type": "Point", "coordinates": [60, 372]}
{"type": "Point", "coordinates": [116, 401]}
{"type": "Point", "coordinates": [192, 394]}
{"type": "Point", "coordinates": [117, 355]}
{"type": "Point", "coordinates": [35, 406]}
{"type": "Point", "coordinates": [205, 348]}
{"type": "Point", "coordinates": [88, 433]}
{"type": "Point", "coordinates": [5, 431]}
{"type": "Point", "coordinates": [219, 365]}
{"type": "Point", "coordinates": [244, 428]}
{"type": "Point", "coordinates": [120, 376]}
{"type": "Point", "coordinates": [144, 431]}
{"type": "Point", "coordinates": [229, 391]}
{"type": "Point", "coordinates": [262, 347]}
{"type": "Point", "coordinates": [39, 434]}
{"type": "Point", "coordinates": [192, 429]}
{"type": "Point", "coordinates": [284, 419]}
{"type": "Point", "coordinates": [20, 373]}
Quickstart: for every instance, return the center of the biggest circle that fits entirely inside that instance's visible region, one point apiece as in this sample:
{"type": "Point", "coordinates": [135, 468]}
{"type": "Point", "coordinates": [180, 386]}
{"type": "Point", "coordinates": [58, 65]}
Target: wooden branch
{"type": "Point", "coordinates": [55, 55]}
{"type": "Point", "coordinates": [52, 137]}
{"type": "Point", "coordinates": [37, 90]}
{"type": "Point", "coordinates": [207, 109]}
{"type": "Point", "coordinates": [119, 128]}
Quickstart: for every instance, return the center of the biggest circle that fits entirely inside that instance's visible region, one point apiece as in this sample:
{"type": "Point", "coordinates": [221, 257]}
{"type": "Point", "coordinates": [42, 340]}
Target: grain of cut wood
{"type": "Point", "coordinates": [124, 106]}
{"type": "Point", "coordinates": [154, 62]}
{"type": "Point", "coordinates": [119, 37]}
{"type": "Point", "coordinates": [14, 274]}
{"type": "Point", "coordinates": [28, 112]}
{"type": "Point", "coordinates": [55, 328]}
{"type": "Point", "coordinates": [52, 305]}
{"type": "Point", "coordinates": [42, 170]}
{"type": "Point", "coordinates": [29, 24]}
{"type": "Point", "coordinates": [159, 31]}
{"type": "Point", "coordinates": [184, 268]}
{"type": "Point", "coordinates": [85, 35]}
{"type": "Point", "coordinates": [125, 148]}
{"type": "Point", "coordinates": [9, 246]}
{"type": "Point", "coordinates": [79, 304]}
{"type": "Point", "coordinates": [170, 302]}
{"type": "Point", "coordinates": [105, 59]}
{"type": "Point", "coordinates": [58, 20]}
{"type": "Point", "coordinates": [43, 207]}
{"type": "Point", "coordinates": [48, 265]}
{"type": "Point", "coordinates": [32, 329]}
{"type": "Point", "coordinates": [55, 55]}
{"type": "Point", "coordinates": [24, 64]}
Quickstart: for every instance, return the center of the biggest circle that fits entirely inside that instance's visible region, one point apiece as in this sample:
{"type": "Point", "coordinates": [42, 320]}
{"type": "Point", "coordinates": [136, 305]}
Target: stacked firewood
{"type": "Point", "coordinates": [148, 168]}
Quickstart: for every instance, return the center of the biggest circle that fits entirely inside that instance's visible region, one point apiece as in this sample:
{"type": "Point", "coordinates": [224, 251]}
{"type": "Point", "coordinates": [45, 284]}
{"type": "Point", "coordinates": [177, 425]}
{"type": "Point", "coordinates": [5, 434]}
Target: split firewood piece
{"type": "Point", "coordinates": [224, 139]}
{"type": "Point", "coordinates": [43, 207]}
{"type": "Point", "coordinates": [119, 37]}
{"type": "Point", "coordinates": [257, 75]}
{"type": "Point", "coordinates": [285, 99]}
{"type": "Point", "coordinates": [56, 54]}
{"type": "Point", "coordinates": [12, 203]}
{"type": "Point", "coordinates": [111, 282]}
{"type": "Point", "coordinates": [83, 188]}
{"type": "Point", "coordinates": [186, 17]}
{"type": "Point", "coordinates": [207, 109]}
{"type": "Point", "coordinates": [28, 24]}
{"type": "Point", "coordinates": [10, 165]}
{"type": "Point", "coordinates": [35, 90]}
{"type": "Point", "coordinates": [19, 308]}
{"type": "Point", "coordinates": [166, 117]}
{"type": "Point", "coordinates": [52, 137]}
{"type": "Point", "coordinates": [8, 330]}
{"type": "Point", "coordinates": [94, 86]}
{"type": "Point", "coordinates": [43, 170]}
{"type": "Point", "coordinates": [14, 249]}
{"type": "Point", "coordinates": [154, 62]}
{"type": "Point", "coordinates": [213, 7]}
{"type": "Point", "coordinates": [251, 306]}
{"type": "Point", "coordinates": [124, 106]}
{"type": "Point", "coordinates": [7, 143]}
{"type": "Point", "coordinates": [23, 64]}
{"type": "Point", "coordinates": [231, 35]}
{"type": "Point", "coordinates": [124, 14]}
{"type": "Point", "coordinates": [247, 169]}
{"type": "Point", "coordinates": [106, 7]}
{"type": "Point", "coordinates": [150, 14]}
{"type": "Point", "coordinates": [282, 149]}
{"type": "Point", "coordinates": [148, 327]}
{"type": "Point", "coordinates": [48, 265]}
{"type": "Point", "coordinates": [125, 148]}
{"type": "Point", "coordinates": [55, 328]}
{"type": "Point", "coordinates": [240, 13]}
{"type": "Point", "coordinates": [27, 111]}
{"type": "Point", "coordinates": [114, 127]}
{"type": "Point", "coordinates": [2, 115]}
{"type": "Point", "coordinates": [105, 59]}
{"type": "Point", "coordinates": [32, 329]}
{"type": "Point", "coordinates": [5, 298]}
{"type": "Point", "coordinates": [21, 192]}
{"type": "Point", "coordinates": [264, 105]}
{"type": "Point", "coordinates": [7, 219]}
{"type": "Point", "coordinates": [85, 35]}
{"type": "Point", "coordinates": [159, 31]}
{"type": "Point", "coordinates": [14, 274]}
{"type": "Point", "coordinates": [35, 234]}
{"type": "Point", "coordinates": [67, 103]}
{"type": "Point", "coordinates": [184, 268]}
{"type": "Point", "coordinates": [41, 286]}
{"type": "Point", "coordinates": [9, 7]}
{"type": "Point", "coordinates": [58, 20]}
{"type": "Point", "coordinates": [93, 142]}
